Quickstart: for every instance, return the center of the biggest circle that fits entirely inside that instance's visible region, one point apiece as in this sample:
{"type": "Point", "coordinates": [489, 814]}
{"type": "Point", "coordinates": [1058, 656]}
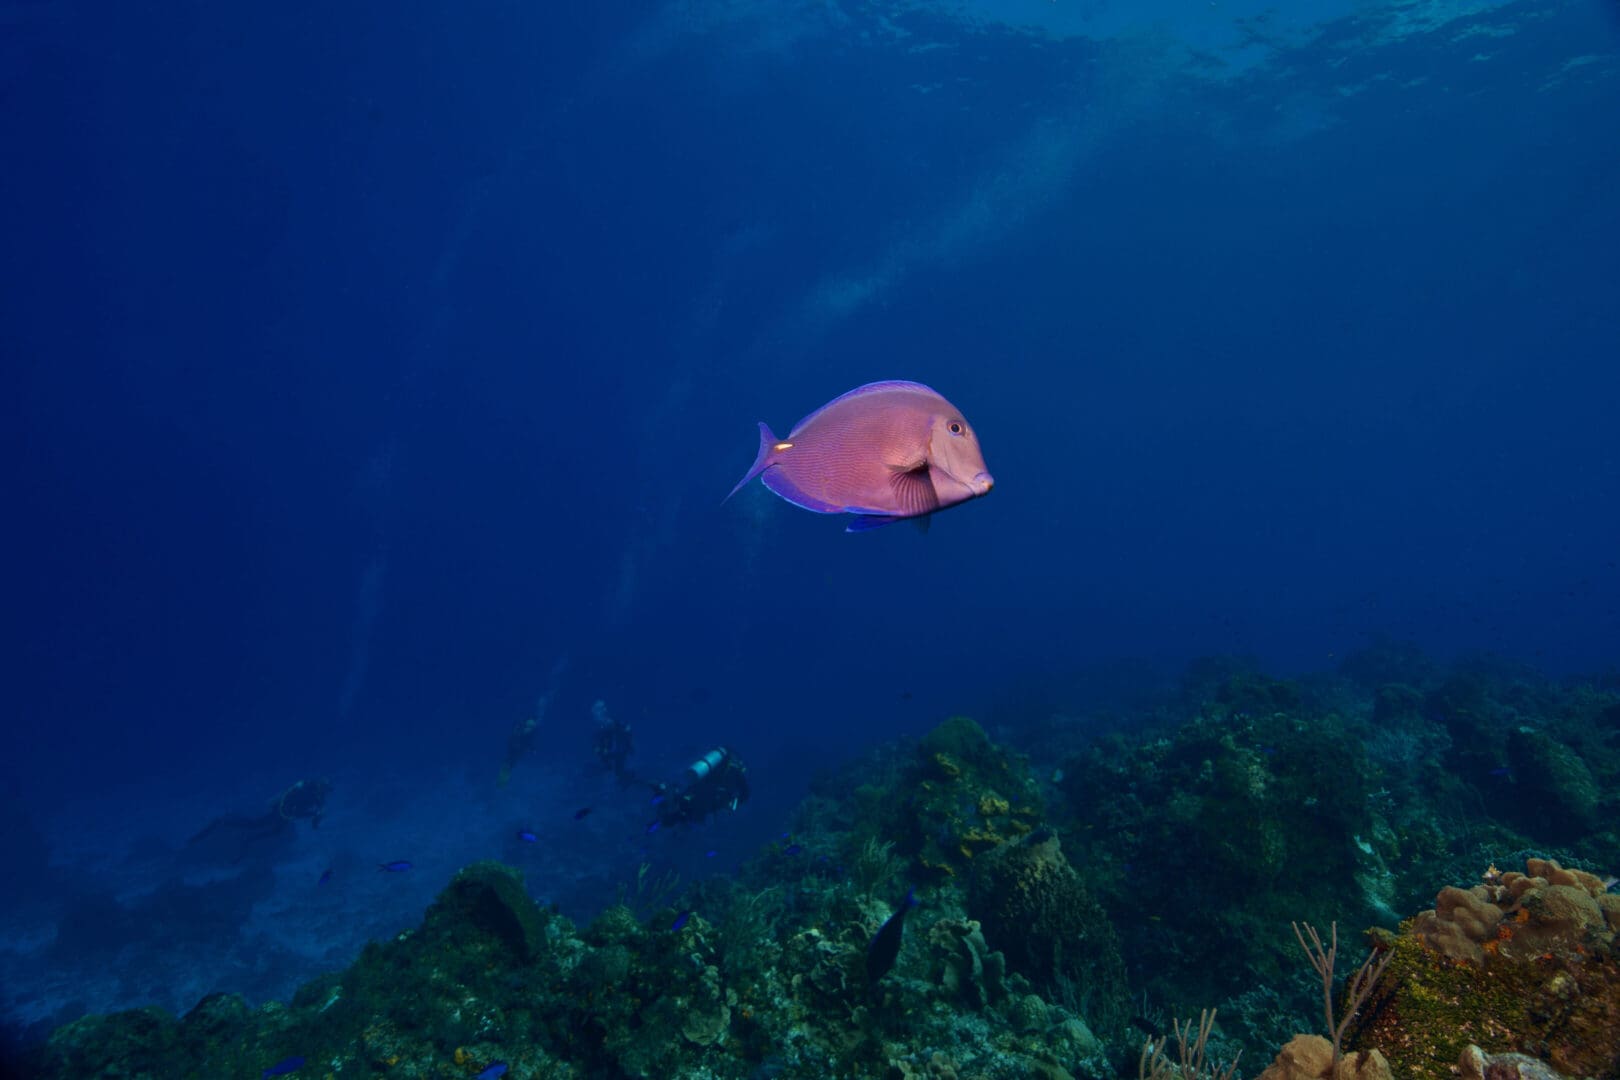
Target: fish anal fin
{"type": "Point", "coordinates": [868, 522]}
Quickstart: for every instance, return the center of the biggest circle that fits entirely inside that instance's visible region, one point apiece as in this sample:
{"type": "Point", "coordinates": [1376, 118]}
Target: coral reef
{"type": "Point", "coordinates": [1034, 906]}
{"type": "Point", "coordinates": [1341, 798]}
{"type": "Point", "coordinates": [1193, 839]}
{"type": "Point", "coordinates": [1522, 963]}
{"type": "Point", "coordinates": [966, 796]}
{"type": "Point", "coordinates": [747, 984]}
{"type": "Point", "coordinates": [1187, 847]}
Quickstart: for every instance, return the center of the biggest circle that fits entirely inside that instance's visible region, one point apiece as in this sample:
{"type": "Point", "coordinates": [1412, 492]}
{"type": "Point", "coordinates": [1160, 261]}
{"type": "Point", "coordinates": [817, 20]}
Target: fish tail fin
{"type": "Point", "coordinates": [767, 443]}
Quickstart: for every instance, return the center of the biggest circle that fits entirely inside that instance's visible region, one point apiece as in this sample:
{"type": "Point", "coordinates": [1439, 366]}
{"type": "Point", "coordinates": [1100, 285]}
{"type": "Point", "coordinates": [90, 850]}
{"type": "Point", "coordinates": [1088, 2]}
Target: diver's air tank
{"type": "Point", "coordinates": [706, 764]}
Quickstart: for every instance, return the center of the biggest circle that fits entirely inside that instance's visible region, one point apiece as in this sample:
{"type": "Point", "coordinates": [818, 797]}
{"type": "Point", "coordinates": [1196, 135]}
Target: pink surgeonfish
{"type": "Point", "coordinates": [884, 452]}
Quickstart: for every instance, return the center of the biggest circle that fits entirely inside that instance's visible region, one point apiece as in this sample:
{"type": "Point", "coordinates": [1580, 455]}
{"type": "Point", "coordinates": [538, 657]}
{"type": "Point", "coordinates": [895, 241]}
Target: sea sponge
{"type": "Point", "coordinates": [488, 898]}
{"type": "Point", "coordinates": [1029, 1014]}
{"type": "Point", "coordinates": [1549, 910]}
{"type": "Point", "coordinates": [993, 805]}
{"type": "Point", "coordinates": [1609, 904]}
{"type": "Point", "coordinates": [707, 1013]}
{"type": "Point", "coordinates": [1557, 875]}
{"type": "Point", "coordinates": [1036, 909]}
{"type": "Point", "coordinates": [1559, 919]}
{"type": "Point", "coordinates": [1462, 921]}
{"type": "Point", "coordinates": [1310, 1057]}
{"type": "Point", "coordinates": [965, 967]}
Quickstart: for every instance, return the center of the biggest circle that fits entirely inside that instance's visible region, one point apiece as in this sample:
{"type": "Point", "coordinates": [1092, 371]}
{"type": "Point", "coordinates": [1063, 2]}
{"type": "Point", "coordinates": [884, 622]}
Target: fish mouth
{"type": "Point", "coordinates": [982, 483]}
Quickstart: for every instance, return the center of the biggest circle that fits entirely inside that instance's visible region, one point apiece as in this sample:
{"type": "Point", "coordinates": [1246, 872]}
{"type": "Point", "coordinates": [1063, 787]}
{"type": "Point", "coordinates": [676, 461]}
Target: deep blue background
{"type": "Point", "coordinates": [479, 305]}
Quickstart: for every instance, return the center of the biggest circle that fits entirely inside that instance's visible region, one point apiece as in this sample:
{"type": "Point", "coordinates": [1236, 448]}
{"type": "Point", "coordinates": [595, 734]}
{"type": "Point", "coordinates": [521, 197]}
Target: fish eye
{"type": "Point", "coordinates": [955, 427]}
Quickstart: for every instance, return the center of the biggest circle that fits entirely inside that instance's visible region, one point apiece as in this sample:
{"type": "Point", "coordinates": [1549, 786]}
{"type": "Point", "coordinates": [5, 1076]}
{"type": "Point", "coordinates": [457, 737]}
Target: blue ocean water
{"type": "Point", "coordinates": [375, 372]}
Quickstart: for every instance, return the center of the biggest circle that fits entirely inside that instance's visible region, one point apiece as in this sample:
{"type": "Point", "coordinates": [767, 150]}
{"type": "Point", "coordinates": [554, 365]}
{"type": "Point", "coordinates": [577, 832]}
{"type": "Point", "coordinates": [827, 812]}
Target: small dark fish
{"type": "Point", "coordinates": [1502, 771]}
{"type": "Point", "coordinates": [883, 452]}
{"type": "Point", "coordinates": [711, 853]}
{"type": "Point", "coordinates": [885, 947]}
{"type": "Point", "coordinates": [652, 827]}
{"type": "Point", "coordinates": [792, 849]}
{"type": "Point", "coordinates": [491, 1071]}
{"type": "Point", "coordinates": [527, 836]}
{"type": "Point", "coordinates": [283, 1067]}
{"type": "Point", "coordinates": [656, 799]}
{"type": "Point", "coordinates": [680, 920]}
{"type": "Point", "coordinates": [398, 866]}
{"type": "Point", "coordinates": [326, 875]}
{"type": "Point", "coordinates": [582, 813]}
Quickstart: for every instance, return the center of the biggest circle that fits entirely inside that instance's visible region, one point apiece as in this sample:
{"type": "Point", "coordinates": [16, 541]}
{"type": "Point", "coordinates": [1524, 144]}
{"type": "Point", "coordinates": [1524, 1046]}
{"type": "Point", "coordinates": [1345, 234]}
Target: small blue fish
{"type": "Point", "coordinates": [326, 875]}
{"type": "Point", "coordinates": [582, 813]}
{"type": "Point", "coordinates": [283, 1067]}
{"type": "Point", "coordinates": [1502, 771]}
{"type": "Point", "coordinates": [711, 853]}
{"type": "Point", "coordinates": [527, 836]}
{"type": "Point", "coordinates": [398, 866]}
{"type": "Point", "coordinates": [680, 920]}
{"type": "Point", "coordinates": [653, 827]}
{"type": "Point", "coordinates": [492, 1070]}
{"type": "Point", "coordinates": [792, 849]}
{"type": "Point", "coordinates": [656, 799]}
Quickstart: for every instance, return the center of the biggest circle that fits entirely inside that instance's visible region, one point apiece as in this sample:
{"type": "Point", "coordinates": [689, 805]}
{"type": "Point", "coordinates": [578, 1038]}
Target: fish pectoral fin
{"type": "Point", "coordinates": [914, 490]}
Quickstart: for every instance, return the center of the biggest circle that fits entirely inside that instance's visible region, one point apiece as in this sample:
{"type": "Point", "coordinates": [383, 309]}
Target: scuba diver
{"type": "Point", "coordinates": [612, 743]}
{"type": "Point", "coordinates": [518, 745]}
{"type": "Point", "coordinates": [521, 739]}
{"type": "Point", "coordinates": [715, 782]}
{"type": "Point", "coordinates": [303, 801]}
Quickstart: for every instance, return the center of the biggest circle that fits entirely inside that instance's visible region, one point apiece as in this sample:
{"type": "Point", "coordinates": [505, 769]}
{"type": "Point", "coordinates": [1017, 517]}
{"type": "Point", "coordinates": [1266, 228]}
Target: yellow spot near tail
{"type": "Point", "coordinates": [783, 446]}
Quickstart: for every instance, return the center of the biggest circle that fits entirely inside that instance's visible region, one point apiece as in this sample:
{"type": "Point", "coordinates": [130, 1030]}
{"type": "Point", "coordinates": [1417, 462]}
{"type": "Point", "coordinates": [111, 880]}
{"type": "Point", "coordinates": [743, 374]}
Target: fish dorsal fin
{"type": "Point", "coordinates": [887, 386]}
{"type": "Point", "coordinates": [914, 490]}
